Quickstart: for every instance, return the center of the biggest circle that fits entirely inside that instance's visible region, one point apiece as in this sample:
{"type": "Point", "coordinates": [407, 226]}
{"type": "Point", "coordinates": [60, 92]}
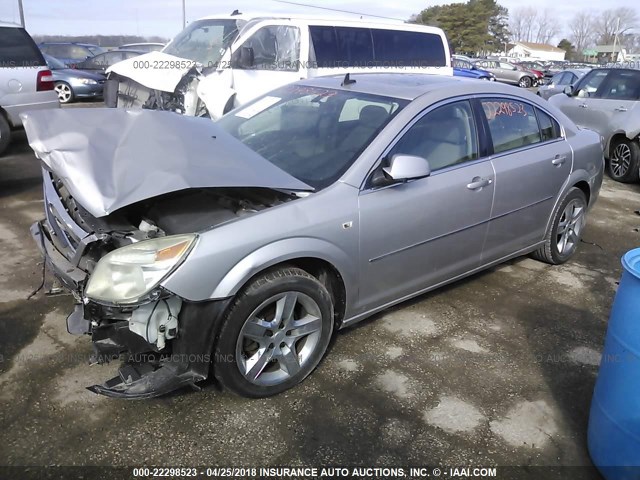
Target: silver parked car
{"type": "Point", "coordinates": [607, 100]}
{"type": "Point", "coordinates": [242, 245]}
{"type": "Point", "coordinates": [26, 83]}
{"type": "Point", "coordinates": [560, 80]}
{"type": "Point", "coordinates": [507, 73]}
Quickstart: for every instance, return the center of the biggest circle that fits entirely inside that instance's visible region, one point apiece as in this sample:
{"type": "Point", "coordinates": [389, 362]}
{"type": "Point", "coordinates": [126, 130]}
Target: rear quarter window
{"type": "Point", "coordinates": [17, 49]}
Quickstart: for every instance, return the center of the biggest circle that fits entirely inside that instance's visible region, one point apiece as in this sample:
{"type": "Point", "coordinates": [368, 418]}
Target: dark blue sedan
{"type": "Point", "coordinates": [71, 84]}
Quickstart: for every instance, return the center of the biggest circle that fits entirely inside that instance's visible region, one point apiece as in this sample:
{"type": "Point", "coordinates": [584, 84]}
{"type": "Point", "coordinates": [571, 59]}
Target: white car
{"type": "Point", "coordinates": [26, 83]}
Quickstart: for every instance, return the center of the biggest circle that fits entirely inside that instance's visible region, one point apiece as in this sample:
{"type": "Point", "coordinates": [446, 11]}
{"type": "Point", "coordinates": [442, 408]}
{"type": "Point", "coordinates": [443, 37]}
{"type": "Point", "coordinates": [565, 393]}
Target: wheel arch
{"type": "Point", "coordinates": [613, 139]}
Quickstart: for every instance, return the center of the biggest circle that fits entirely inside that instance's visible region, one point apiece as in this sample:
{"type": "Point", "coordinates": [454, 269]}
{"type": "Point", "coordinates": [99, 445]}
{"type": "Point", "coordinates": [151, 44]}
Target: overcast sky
{"type": "Point", "coordinates": [164, 17]}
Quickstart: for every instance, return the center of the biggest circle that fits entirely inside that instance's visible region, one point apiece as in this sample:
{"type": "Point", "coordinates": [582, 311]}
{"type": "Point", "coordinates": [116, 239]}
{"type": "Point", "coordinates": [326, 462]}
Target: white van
{"type": "Point", "coordinates": [220, 62]}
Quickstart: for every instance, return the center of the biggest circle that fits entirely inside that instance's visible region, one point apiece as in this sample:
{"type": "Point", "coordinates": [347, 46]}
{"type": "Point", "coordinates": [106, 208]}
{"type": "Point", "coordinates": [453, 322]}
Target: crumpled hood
{"type": "Point", "coordinates": [151, 70]}
{"type": "Point", "coordinates": [109, 158]}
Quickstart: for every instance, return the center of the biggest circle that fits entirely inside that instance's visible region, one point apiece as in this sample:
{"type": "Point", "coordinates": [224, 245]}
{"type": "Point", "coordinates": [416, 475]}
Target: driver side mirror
{"type": "Point", "coordinates": [568, 91]}
{"type": "Point", "coordinates": [243, 58]}
{"type": "Point", "coordinates": [402, 168]}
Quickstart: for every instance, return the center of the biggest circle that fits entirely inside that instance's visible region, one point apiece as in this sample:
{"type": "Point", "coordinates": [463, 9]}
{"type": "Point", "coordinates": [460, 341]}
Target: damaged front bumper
{"type": "Point", "coordinates": [164, 342]}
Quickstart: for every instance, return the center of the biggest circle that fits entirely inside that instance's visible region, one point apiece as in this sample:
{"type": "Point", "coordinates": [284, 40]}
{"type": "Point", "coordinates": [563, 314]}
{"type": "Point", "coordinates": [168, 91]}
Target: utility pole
{"type": "Point", "coordinates": [614, 57]}
{"type": "Point", "coordinates": [21, 13]}
{"type": "Point", "coordinates": [184, 14]}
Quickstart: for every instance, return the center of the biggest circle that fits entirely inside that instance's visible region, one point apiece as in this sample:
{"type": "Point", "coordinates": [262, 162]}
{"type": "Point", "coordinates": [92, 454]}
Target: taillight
{"type": "Point", "coordinates": [45, 81]}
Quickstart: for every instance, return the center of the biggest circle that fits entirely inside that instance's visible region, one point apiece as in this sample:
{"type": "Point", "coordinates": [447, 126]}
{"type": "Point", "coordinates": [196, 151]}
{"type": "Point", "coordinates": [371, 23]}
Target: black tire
{"type": "Point", "coordinates": [525, 82]}
{"type": "Point", "coordinates": [5, 133]}
{"type": "Point", "coordinates": [282, 281]}
{"type": "Point", "coordinates": [624, 161]}
{"type": "Point", "coordinates": [550, 252]}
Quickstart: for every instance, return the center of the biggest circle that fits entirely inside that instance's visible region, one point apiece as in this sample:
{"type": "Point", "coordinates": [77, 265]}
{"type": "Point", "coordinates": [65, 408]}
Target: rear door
{"type": "Point", "coordinates": [532, 161]}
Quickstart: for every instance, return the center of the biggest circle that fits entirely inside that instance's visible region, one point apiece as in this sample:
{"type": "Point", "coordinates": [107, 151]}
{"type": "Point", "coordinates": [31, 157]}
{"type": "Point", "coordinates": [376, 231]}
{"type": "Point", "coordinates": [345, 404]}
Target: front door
{"type": "Point", "coordinates": [420, 233]}
{"type": "Point", "coordinates": [274, 53]}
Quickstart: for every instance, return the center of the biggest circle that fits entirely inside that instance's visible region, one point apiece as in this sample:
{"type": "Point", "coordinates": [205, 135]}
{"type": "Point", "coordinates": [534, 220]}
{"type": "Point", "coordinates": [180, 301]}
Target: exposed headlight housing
{"type": "Point", "coordinates": [129, 273]}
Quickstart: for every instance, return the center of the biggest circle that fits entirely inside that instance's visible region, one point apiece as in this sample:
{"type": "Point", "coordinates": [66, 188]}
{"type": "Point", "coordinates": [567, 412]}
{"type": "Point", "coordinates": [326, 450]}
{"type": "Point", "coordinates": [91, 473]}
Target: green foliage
{"type": "Point", "coordinates": [568, 47]}
{"type": "Point", "coordinates": [477, 26]}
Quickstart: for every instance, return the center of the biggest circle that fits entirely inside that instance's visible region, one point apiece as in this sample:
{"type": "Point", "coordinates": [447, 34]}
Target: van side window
{"type": "Point", "coordinates": [402, 48]}
{"type": "Point", "coordinates": [325, 45]}
{"type": "Point", "coordinates": [275, 47]}
{"type": "Point", "coordinates": [355, 45]}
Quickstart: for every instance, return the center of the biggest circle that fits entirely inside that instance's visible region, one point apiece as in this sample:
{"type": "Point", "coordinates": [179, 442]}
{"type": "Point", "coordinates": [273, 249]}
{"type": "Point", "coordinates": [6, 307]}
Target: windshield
{"type": "Point", "coordinates": [53, 63]}
{"type": "Point", "coordinates": [95, 49]}
{"type": "Point", "coordinates": [205, 41]}
{"type": "Point", "coordinates": [312, 133]}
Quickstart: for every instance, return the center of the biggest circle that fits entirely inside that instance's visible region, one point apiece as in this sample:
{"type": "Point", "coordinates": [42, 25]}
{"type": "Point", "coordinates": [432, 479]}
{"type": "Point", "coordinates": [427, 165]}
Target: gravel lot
{"type": "Point", "coordinates": [494, 370]}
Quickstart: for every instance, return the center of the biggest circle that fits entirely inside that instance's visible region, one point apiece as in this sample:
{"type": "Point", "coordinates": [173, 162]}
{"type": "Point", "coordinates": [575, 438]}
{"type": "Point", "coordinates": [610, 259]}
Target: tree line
{"type": "Point", "coordinates": [478, 27]}
{"type": "Point", "coordinates": [100, 40]}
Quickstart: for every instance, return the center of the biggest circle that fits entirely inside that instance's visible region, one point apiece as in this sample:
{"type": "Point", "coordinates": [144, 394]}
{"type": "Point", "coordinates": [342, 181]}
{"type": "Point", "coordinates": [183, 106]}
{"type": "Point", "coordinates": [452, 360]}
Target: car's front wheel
{"type": "Point", "coordinates": [65, 94]}
{"type": "Point", "coordinates": [565, 231]}
{"type": "Point", "coordinates": [625, 161]}
{"type": "Point", "coordinates": [275, 333]}
{"type": "Point", "coordinates": [525, 82]}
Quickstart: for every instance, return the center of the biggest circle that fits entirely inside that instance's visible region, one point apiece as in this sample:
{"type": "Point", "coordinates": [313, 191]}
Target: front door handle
{"type": "Point", "coordinates": [621, 109]}
{"type": "Point", "coordinates": [583, 105]}
{"type": "Point", "coordinates": [478, 182]}
{"type": "Point", "coordinates": [559, 160]}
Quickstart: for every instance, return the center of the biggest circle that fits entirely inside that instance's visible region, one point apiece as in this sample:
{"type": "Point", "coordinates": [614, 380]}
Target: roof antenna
{"type": "Point", "coordinates": [235, 12]}
{"type": "Point", "coordinates": [347, 81]}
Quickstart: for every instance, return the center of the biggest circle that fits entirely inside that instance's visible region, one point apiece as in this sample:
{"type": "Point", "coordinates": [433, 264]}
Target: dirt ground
{"type": "Point", "coordinates": [498, 369]}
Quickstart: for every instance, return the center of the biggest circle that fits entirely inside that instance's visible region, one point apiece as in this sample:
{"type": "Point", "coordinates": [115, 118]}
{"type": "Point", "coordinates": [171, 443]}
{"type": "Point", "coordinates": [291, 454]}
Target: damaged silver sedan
{"type": "Point", "coordinates": [237, 248]}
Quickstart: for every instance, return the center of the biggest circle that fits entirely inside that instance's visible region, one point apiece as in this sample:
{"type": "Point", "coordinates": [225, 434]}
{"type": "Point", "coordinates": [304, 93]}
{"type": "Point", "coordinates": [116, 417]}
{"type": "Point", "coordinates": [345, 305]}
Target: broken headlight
{"type": "Point", "coordinates": [128, 273]}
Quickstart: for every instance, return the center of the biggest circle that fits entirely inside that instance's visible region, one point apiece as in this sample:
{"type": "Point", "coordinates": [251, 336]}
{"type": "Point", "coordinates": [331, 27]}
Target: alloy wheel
{"type": "Point", "coordinates": [570, 227]}
{"type": "Point", "coordinates": [620, 160]}
{"type": "Point", "coordinates": [64, 92]}
{"type": "Point", "coordinates": [279, 338]}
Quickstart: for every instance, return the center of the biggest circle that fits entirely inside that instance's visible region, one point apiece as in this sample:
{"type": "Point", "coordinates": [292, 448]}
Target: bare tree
{"type": "Point", "coordinates": [614, 21]}
{"type": "Point", "coordinates": [546, 26]}
{"type": "Point", "coordinates": [530, 25]}
{"type": "Point", "coordinates": [582, 30]}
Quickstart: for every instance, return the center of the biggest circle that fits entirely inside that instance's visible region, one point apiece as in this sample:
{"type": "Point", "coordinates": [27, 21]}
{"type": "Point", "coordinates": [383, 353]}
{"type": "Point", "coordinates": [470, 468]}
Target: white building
{"type": "Point", "coordinates": [538, 51]}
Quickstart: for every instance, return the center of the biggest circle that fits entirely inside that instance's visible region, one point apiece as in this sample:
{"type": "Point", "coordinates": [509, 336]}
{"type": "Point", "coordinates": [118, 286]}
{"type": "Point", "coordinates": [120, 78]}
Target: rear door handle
{"type": "Point", "coordinates": [559, 160]}
{"type": "Point", "coordinates": [583, 105]}
{"type": "Point", "coordinates": [478, 182]}
{"type": "Point", "coordinates": [621, 109]}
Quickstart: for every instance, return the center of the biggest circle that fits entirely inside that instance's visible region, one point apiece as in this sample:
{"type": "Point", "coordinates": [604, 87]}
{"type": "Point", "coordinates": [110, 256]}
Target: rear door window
{"type": "Point", "coordinates": [17, 49]}
{"type": "Point", "coordinates": [512, 123]}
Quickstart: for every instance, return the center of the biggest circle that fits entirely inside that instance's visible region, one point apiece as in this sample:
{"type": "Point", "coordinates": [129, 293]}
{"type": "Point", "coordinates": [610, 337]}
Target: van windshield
{"type": "Point", "coordinates": [205, 41]}
{"type": "Point", "coordinates": [314, 134]}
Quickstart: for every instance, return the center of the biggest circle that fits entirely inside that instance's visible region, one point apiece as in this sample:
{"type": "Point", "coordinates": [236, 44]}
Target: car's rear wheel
{"type": "Point", "coordinates": [64, 91]}
{"type": "Point", "coordinates": [565, 231]}
{"type": "Point", "coordinates": [525, 82]}
{"type": "Point", "coordinates": [5, 133]}
{"type": "Point", "coordinates": [274, 334]}
{"type": "Point", "coordinates": [624, 161]}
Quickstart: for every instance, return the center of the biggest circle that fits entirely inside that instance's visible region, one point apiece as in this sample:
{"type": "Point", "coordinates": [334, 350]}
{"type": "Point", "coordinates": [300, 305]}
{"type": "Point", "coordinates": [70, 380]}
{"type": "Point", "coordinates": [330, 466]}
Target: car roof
{"type": "Point", "coordinates": [82, 44]}
{"type": "Point", "coordinates": [409, 86]}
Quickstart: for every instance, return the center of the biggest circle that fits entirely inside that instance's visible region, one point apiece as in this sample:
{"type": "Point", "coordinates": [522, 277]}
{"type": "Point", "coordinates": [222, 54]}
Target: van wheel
{"type": "Point", "coordinates": [5, 133]}
{"type": "Point", "coordinates": [565, 231]}
{"type": "Point", "coordinates": [625, 161]}
{"type": "Point", "coordinates": [275, 333]}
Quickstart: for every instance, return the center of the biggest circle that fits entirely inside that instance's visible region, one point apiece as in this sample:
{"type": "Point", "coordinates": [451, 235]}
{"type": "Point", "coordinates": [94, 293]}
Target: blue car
{"type": "Point", "coordinates": [71, 84]}
{"type": "Point", "coordinates": [463, 68]}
